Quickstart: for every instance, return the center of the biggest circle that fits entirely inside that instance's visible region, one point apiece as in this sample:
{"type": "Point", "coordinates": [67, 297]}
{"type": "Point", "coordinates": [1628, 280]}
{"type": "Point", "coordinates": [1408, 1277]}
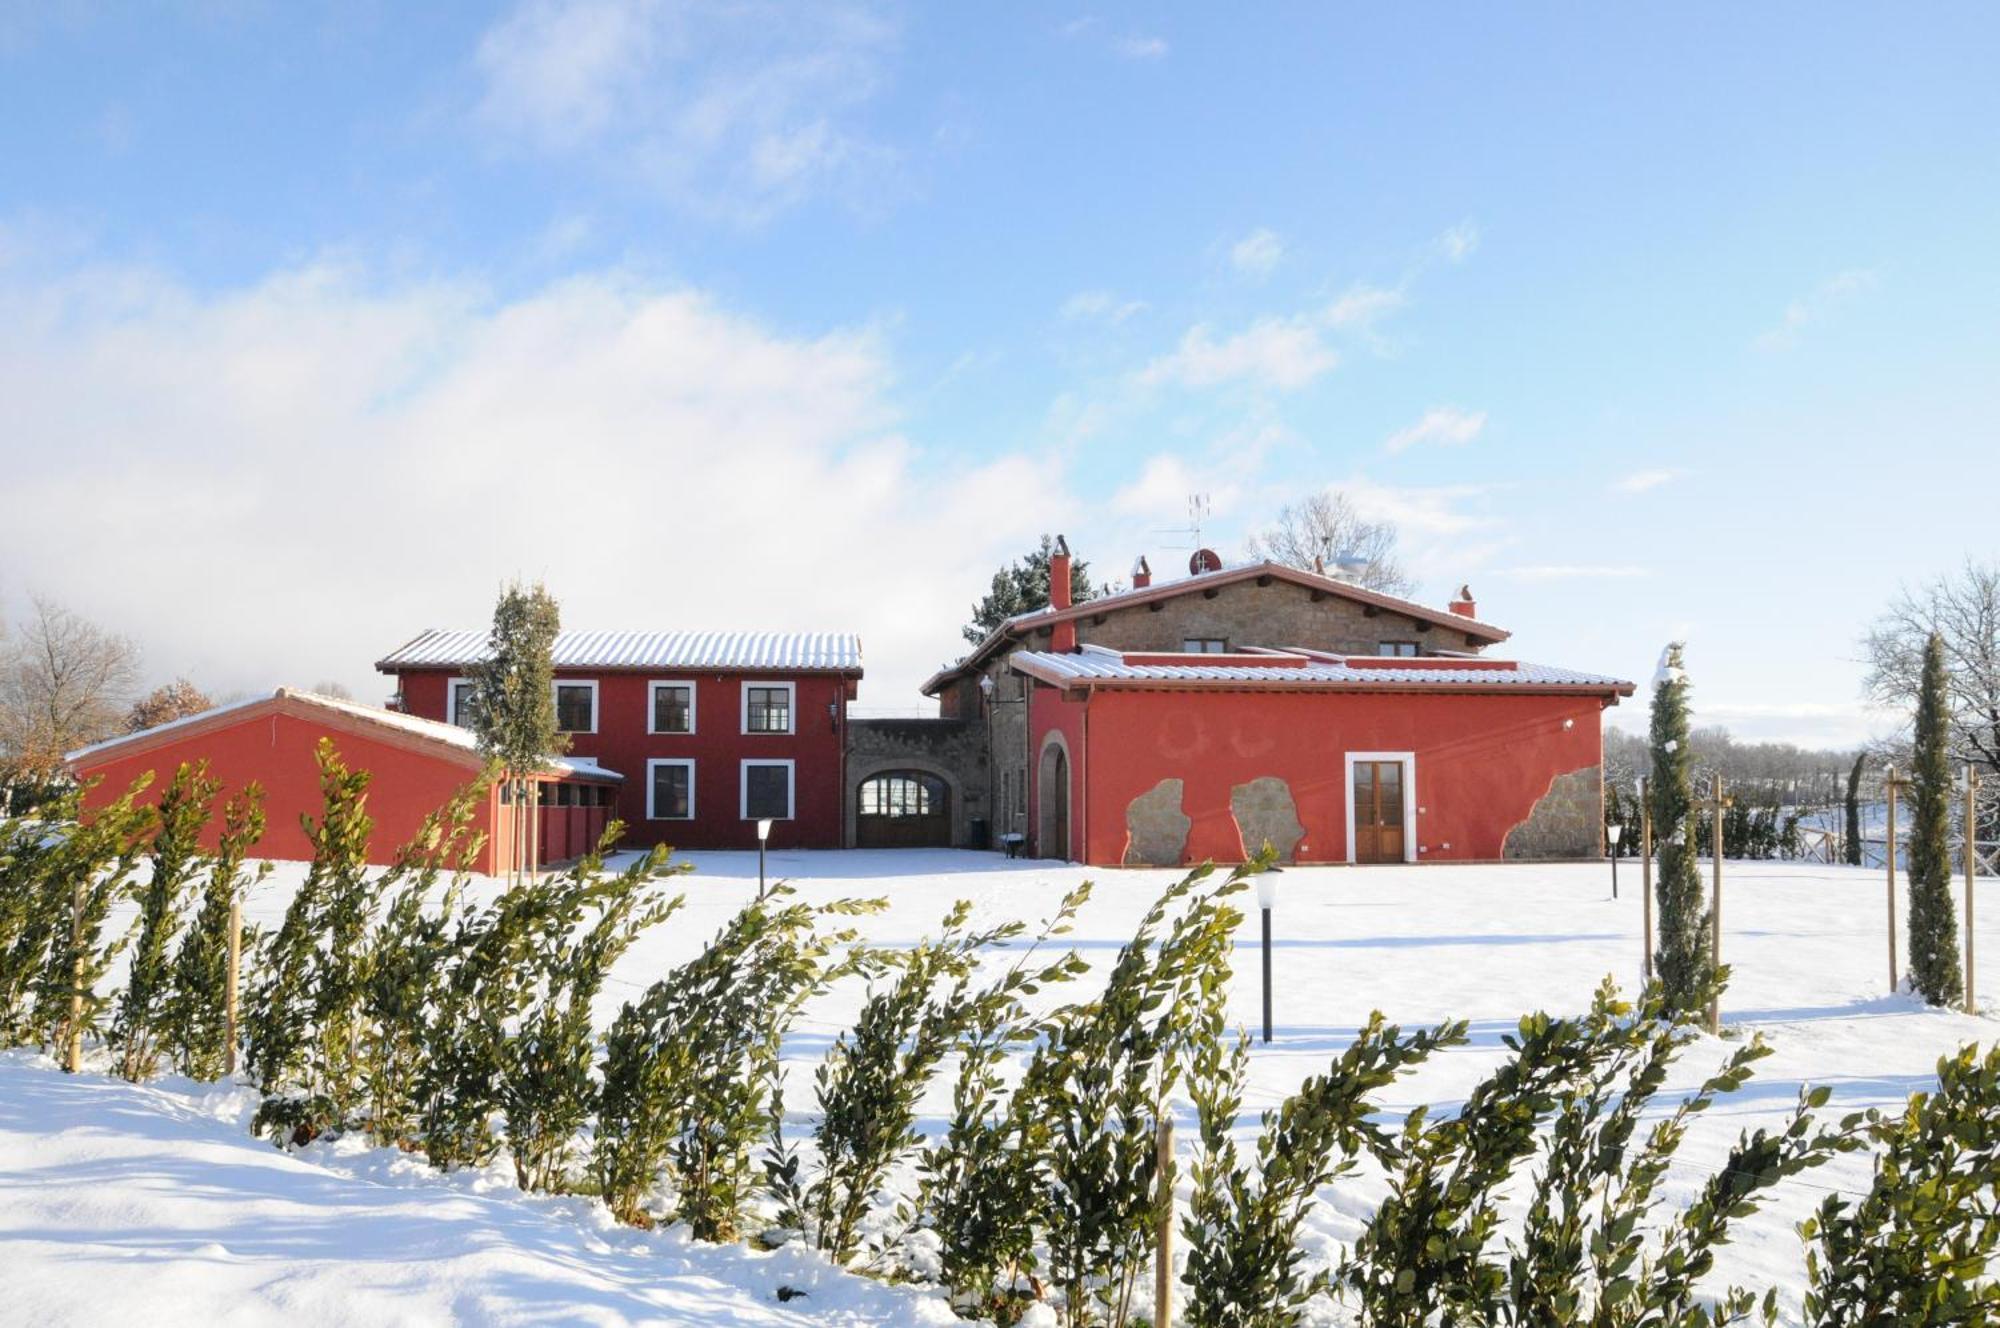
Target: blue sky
{"type": "Point", "coordinates": [1647, 322]}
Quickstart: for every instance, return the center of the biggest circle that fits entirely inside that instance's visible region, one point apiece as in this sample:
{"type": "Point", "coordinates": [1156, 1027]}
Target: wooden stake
{"type": "Point", "coordinates": [229, 1006]}
{"type": "Point", "coordinates": [1891, 782]}
{"type": "Point", "coordinates": [1717, 804]}
{"type": "Point", "coordinates": [1163, 1236]}
{"type": "Point", "coordinates": [1971, 880]}
{"type": "Point", "coordinates": [73, 1061]}
{"type": "Point", "coordinates": [1646, 872]}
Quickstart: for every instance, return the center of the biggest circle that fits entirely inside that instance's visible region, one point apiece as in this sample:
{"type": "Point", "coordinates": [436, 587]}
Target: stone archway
{"type": "Point", "coordinates": [1052, 775]}
{"type": "Point", "coordinates": [906, 808]}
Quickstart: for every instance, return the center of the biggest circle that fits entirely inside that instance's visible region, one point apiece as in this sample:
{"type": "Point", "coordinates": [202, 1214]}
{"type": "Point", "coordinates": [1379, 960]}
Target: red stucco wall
{"type": "Point", "coordinates": [277, 750]}
{"type": "Point", "coordinates": [717, 746]}
{"type": "Point", "coordinates": [1482, 761]}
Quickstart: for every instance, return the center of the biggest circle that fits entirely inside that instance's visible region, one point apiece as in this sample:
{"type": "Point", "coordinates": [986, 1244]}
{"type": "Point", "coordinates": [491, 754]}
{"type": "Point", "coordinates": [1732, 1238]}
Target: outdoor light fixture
{"type": "Point", "coordinates": [1267, 898]}
{"type": "Point", "coordinates": [986, 684]}
{"type": "Point", "coordinates": [763, 838]}
{"type": "Point", "coordinates": [1611, 832]}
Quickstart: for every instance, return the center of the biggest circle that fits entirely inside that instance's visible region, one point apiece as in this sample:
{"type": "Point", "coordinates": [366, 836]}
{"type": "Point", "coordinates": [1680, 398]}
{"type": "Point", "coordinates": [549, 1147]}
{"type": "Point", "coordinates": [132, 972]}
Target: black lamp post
{"type": "Point", "coordinates": [1611, 832]}
{"type": "Point", "coordinates": [763, 837]}
{"type": "Point", "coordinates": [1267, 897]}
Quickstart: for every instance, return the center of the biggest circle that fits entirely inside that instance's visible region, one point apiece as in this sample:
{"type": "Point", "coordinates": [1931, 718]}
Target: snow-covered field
{"type": "Point", "coordinates": [154, 1202]}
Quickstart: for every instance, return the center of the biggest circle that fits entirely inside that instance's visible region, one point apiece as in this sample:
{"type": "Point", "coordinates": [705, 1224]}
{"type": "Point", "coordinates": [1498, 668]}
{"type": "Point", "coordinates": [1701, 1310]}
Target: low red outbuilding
{"type": "Point", "coordinates": [417, 765]}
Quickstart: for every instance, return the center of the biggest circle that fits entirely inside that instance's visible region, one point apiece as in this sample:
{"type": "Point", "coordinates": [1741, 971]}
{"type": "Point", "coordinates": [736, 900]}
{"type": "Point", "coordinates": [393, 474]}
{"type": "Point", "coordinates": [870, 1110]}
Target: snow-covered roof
{"type": "Point", "coordinates": [450, 735]}
{"type": "Point", "coordinates": [818, 652]}
{"type": "Point", "coordinates": [1302, 669]}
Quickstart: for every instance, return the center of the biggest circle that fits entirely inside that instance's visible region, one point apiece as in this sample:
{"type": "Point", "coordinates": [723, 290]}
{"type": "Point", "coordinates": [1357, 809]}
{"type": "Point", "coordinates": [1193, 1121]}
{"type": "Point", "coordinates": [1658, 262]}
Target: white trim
{"type": "Point", "coordinates": [555, 695]}
{"type": "Point", "coordinates": [743, 786]}
{"type": "Point", "coordinates": [1409, 763]}
{"type": "Point", "coordinates": [791, 709]}
{"type": "Point", "coordinates": [652, 709]}
{"type": "Point", "coordinates": [669, 760]}
{"type": "Point", "coordinates": [451, 686]}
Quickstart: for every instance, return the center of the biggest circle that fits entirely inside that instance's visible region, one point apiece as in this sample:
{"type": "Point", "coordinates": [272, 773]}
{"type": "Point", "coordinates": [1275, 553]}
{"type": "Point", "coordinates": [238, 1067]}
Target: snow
{"type": "Point", "coordinates": [157, 1201]}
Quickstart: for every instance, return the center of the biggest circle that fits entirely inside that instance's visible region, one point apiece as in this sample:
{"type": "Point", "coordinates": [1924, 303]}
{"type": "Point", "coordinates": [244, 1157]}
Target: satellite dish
{"type": "Point", "coordinates": [1204, 560]}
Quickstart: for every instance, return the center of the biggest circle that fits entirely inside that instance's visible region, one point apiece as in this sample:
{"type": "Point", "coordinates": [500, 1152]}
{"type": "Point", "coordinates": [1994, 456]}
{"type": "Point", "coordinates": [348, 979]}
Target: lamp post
{"type": "Point", "coordinates": [1267, 897]}
{"type": "Point", "coordinates": [1611, 833]}
{"type": "Point", "coordinates": [763, 838]}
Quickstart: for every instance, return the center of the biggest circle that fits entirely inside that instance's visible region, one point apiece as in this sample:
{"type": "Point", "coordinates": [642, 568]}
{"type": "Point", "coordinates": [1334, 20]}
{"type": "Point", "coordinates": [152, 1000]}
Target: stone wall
{"type": "Point", "coordinates": [953, 749]}
{"type": "Point", "coordinates": [1567, 823]}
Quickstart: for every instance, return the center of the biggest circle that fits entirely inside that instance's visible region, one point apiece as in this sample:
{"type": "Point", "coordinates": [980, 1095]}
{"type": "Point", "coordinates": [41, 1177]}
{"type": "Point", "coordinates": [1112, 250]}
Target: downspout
{"type": "Point", "coordinates": [1083, 779]}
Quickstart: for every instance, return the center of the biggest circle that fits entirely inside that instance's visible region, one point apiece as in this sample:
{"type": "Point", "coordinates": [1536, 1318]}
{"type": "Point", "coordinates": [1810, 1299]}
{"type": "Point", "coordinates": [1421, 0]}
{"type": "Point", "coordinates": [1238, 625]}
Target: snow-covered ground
{"type": "Point", "coordinates": [154, 1201]}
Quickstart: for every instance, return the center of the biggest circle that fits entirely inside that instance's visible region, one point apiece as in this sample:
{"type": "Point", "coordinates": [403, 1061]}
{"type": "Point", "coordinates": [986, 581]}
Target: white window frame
{"type": "Point", "coordinates": [652, 710]}
{"type": "Point", "coordinates": [687, 761]}
{"type": "Point", "coordinates": [555, 698]}
{"type": "Point", "coordinates": [451, 686]}
{"type": "Point", "coordinates": [1409, 763]}
{"type": "Point", "coordinates": [791, 786]}
{"type": "Point", "coordinates": [791, 709]}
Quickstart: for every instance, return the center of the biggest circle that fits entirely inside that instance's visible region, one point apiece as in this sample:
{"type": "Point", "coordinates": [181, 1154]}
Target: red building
{"type": "Point", "coordinates": [713, 730]}
{"type": "Point", "coordinates": [418, 765]}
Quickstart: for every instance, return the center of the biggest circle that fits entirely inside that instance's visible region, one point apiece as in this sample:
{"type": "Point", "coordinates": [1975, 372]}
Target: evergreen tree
{"type": "Point", "coordinates": [175, 864]}
{"type": "Point", "coordinates": [1933, 928]}
{"type": "Point", "coordinates": [1023, 587]}
{"type": "Point", "coordinates": [197, 1014]}
{"type": "Point", "coordinates": [1853, 854]}
{"type": "Point", "coordinates": [1682, 960]}
{"type": "Point", "coordinates": [514, 707]}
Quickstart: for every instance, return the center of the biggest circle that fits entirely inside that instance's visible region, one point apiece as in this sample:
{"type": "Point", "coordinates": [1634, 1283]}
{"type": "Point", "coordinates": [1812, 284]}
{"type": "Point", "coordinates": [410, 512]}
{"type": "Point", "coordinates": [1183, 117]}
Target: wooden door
{"type": "Point", "coordinates": [903, 809]}
{"type": "Point", "coordinates": [1378, 811]}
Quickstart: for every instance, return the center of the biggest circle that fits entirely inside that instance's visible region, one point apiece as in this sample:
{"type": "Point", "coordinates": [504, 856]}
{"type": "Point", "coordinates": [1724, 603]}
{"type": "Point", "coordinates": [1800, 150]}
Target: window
{"type": "Point", "coordinates": [670, 790]}
{"type": "Point", "coordinates": [767, 790]}
{"type": "Point", "coordinates": [576, 707]}
{"type": "Point", "coordinates": [767, 707]}
{"type": "Point", "coordinates": [1404, 649]}
{"type": "Point", "coordinates": [460, 693]}
{"type": "Point", "coordinates": [902, 794]}
{"type": "Point", "coordinates": [673, 708]}
{"type": "Point", "coordinates": [1205, 645]}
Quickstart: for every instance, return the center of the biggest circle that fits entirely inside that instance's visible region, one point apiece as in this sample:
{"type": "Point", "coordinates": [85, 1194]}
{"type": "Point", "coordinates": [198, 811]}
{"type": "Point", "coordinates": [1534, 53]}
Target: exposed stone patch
{"type": "Point", "coordinates": [1564, 824]}
{"type": "Point", "coordinates": [1156, 829]}
{"type": "Point", "coordinates": [1265, 813]}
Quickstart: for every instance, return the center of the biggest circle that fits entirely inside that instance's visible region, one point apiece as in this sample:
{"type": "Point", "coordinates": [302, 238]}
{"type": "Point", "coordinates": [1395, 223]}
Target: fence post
{"type": "Point", "coordinates": [1163, 1236]}
{"type": "Point", "coordinates": [1971, 880]}
{"type": "Point", "coordinates": [1646, 872]}
{"type": "Point", "coordinates": [229, 1006]}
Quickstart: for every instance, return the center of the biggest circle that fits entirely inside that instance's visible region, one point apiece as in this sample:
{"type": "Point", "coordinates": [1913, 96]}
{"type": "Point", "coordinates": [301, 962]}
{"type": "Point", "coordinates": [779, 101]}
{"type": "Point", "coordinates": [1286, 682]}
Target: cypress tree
{"type": "Point", "coordinates": [197, 1013]}
{"type": "Point", "coordinates": [1682, 958]}
{"type": "Point", "coordinates": [1933, 929]}
{"type": "Point", "coordinates": [1854, 810]}
{"type": "Point", "coordinates": [175, 864]}
{"type": "Point", "coordinates": [514, 706]}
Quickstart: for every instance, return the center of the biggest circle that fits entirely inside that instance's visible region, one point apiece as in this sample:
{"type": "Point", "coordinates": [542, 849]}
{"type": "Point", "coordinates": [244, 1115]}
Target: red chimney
{"type": "Point", "coordinates": [1464, 606]}
{"type": "Point", "coordinates": [1142, 574]}
{"type": "Point", "coordinates": [1063, 640]}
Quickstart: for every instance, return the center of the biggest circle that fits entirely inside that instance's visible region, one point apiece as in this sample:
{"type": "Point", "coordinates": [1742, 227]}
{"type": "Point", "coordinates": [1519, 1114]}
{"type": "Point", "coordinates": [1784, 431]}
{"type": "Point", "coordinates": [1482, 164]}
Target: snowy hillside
{"type": "Point", "coordinates": [155, 1202]}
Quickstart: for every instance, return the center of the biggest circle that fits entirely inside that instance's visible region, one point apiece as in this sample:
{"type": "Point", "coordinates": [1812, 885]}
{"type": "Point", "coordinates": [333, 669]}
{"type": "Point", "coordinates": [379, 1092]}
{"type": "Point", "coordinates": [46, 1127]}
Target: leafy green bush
{"type": "Point", "coordinates": [174, 865]}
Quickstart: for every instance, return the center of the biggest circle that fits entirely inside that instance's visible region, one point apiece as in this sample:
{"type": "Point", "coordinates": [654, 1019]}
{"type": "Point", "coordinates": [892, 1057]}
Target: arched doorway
{"type": "Point", "coordinates": [902, 809]}
{"type": "Point", "coordinates": [1052, 799]}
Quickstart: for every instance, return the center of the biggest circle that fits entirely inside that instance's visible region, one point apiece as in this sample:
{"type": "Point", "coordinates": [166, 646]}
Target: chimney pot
{"type": "Point", "coordinates": [1464, 606]}
{"type": "Point", "coordinates": [1063, 638]}
{"type": "Point", "coordinates": [1142, 574]}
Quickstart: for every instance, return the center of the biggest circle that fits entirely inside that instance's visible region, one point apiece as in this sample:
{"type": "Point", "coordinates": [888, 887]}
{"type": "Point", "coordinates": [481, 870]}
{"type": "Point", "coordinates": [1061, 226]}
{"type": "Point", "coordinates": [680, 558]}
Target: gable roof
{"type": "Point", "coordinates": [448, 740]}
{"type": "Point", "coordinates": [1264, 573]}
{"type": "Point", "coordinates": [793, 652]}
{"type": "Point", "coordinates": [1302, 670]}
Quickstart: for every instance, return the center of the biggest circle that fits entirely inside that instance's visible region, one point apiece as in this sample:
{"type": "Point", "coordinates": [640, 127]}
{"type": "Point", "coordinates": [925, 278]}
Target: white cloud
{"type": "Point", "coordinates": [1448, 425]}
{"type": "Point", "coordinates": [1571, 571]}
{"type": "Point", "coordinates": [1363, 306]}
{"type": "Point", "coordinates": [1815, 307]}
{"type": "Point", "coordinates": [1100, 305]}
{"type": "Point", "coordinates": [1141, 48]}
{"type": "Point", "coordinates": [735, 110]}
{"type": "Point", "coordinates": [1258, 253]}
{"type": "Point", "coordinates": [1162, 487]}
{"type": "Point", "coordinates": [1639, 481]}
{"type": "Point", "coordinates": [1458, 243]}
{"type": "Point", "coordinates": [278, 482]}
{"type": "Point", "coordinates": [1281, 353]}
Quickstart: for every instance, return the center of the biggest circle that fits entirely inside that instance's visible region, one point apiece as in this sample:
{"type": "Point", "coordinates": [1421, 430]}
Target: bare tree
{"type": "Point", "coordinates": [1323, 530]}
{"type": "Point", "coordinates": [338, 691]}
{"type": "Point", "coordinates": [1964, 609]}
{"type": "Point", "coordinates": [167, 703]}
{"type": "Point", "coordinates": [64, 684]}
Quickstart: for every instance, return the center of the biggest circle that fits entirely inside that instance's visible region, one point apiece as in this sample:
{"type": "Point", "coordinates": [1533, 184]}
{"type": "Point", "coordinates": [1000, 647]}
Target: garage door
{"type": "Point", "coordinates": [903, 809]}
